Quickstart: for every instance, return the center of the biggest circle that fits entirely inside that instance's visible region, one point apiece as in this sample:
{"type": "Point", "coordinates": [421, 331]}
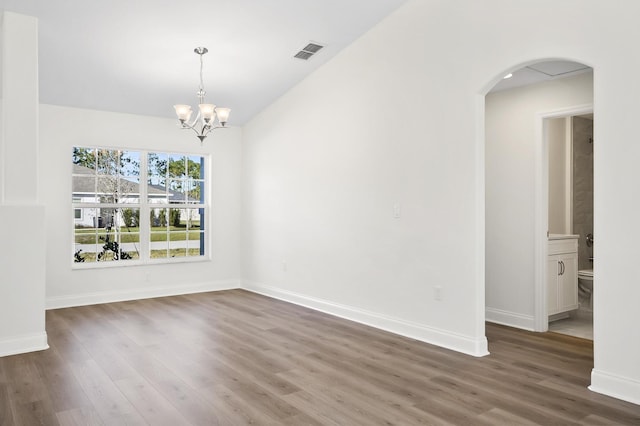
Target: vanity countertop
{"type": "Point", "coordinates": [563, 237]}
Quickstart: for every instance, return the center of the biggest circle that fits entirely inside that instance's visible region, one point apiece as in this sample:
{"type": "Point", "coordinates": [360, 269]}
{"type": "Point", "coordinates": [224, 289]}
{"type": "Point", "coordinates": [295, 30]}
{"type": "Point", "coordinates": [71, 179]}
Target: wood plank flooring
{"type": "Point", "coordinates": [235, 358]}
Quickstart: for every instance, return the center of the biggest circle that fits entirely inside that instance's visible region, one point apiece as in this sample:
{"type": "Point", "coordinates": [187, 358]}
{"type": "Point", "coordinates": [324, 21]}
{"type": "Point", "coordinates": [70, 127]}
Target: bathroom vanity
{"type": "Point", "coordinates": [562, 273]}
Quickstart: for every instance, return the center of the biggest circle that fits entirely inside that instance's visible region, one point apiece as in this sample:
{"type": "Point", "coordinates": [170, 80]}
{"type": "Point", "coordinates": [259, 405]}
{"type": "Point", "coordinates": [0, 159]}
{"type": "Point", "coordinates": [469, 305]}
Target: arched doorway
{"type": "Point", "coordinates": [517, 114]}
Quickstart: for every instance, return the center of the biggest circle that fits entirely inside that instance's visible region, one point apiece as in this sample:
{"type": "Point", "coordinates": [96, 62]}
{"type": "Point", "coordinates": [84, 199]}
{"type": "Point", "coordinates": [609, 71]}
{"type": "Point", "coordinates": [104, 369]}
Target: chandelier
{"type": "Point", "coordinates": [205, 121]}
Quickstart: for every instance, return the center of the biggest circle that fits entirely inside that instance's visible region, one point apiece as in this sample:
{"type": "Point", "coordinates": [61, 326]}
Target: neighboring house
{"type": "Point", "coordinates": [89, 188]}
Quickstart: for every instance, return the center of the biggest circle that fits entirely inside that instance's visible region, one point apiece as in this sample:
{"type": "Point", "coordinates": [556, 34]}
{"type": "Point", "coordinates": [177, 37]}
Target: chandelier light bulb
{"type": "Point", "coordinates": [183, 112]}
{"type": "Point", "coordinates": [208, 112]}
{"type": "Point", "coordinates": [223, 115]}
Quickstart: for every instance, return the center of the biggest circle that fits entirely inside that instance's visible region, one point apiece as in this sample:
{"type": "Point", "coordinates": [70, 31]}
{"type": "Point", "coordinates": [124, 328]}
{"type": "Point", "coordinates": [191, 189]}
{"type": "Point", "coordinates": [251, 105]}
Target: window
{"type": "Point", "coordinates": [77, 213]}
{"type": "Point", "coordinates": [175, 195]}
{"type": "Point", "coordinates": [137, 206]}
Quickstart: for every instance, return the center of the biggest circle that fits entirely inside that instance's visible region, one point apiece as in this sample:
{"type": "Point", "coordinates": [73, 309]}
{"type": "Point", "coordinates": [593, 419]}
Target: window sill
{"type": "Point", "coordinates": [129, 263]}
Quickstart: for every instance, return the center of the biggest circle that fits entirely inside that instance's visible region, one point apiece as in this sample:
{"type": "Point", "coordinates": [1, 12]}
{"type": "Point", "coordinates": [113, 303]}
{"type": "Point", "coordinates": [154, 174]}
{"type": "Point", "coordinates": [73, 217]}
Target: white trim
{"type": "Point", "coordinates": [541, 227]}
{"type": "Point", "coordinates": [480, 248]}
{"type": "Point", "coordinates": [135, 294]}
{"type": "Point", "coordinates": [511, 319]}
{"type": "Point", "coordinates": [23, 344]}
{"type": "Point", "coordinates": [615, 386]}
{"type": "Point", "coordinates": [541, 322]}
{"type": "Point", "coordinates": [432, 335]}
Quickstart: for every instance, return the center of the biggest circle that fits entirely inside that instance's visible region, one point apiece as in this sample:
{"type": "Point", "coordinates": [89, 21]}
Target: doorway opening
{"type": "Point", "coordinates": [518, 118]}
{"type": "Point", "coordinates": [570, 142]}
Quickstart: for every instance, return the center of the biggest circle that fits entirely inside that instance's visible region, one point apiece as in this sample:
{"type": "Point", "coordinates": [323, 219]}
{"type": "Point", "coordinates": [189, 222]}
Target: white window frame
{"type": "Point", "coordinates": [145, 207]}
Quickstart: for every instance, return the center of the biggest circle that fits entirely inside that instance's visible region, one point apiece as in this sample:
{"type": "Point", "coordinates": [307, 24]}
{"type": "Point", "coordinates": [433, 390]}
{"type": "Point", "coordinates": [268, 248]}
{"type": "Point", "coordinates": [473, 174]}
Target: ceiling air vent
{"type": "Point", "coordinates": [308, 51]}
{"type": "Point", "coordinates": [303, 55]}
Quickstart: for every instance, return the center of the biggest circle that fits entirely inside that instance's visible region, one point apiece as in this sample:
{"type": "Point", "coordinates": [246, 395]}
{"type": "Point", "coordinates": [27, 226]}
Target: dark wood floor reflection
{"type": "Point", "coordinates": [235, 357]}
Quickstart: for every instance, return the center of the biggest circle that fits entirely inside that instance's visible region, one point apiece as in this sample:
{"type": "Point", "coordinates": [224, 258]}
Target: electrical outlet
{"type": "Point", "coordinates": [437, 292]}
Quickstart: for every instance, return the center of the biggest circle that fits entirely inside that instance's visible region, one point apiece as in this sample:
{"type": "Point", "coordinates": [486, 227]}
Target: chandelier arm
{"type": "Point", "coordinates": [188, 126]}
{"type": "Point", "coordinates": [206, 130]}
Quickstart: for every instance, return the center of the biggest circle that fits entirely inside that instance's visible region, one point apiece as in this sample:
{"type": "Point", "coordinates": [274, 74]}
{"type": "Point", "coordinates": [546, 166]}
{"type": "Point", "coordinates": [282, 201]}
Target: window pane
{"type": "Point", "coordinates": [195, 191]}
{"type": "Point", "coordinates": [177, 166]}
{"type": "Point", "coordinates": [129, 245]}
{"type": "Point", "coordinates": [192, 218]}
{"type": "Point", "coordinates": [174, 218]}
{"type": "Point", "coordinates": [108, 162]}
{"type": "Point", "coordinates": [159, 219]}
{"type": "Point", "coordinates": [83, 184]}
{"type": "Point", "coordinates": [107, 190]}
{"type": "Point", "coordinates": [178, 239]}
{"type": "Point", "coordinates": [130, 163]}
{"type": "Point", "coordinates": [88, 219]}
{"type": "Point", "coordinates": [106, 218]}
{"type": "Point", "coordinates": [176, 190]}
{"type": "Point", "coordinates": [177, 248]}
{"type": "Point", "coordinates": [195, 246]}
{"type": "Point", "coordinates": [158, 236]}
{"type": "Point", "coordinates": [156, 194]}
{"type": "Point", "coordinates": [196, 167]}
{"type": "Point", "coordinates": [159, 245]}
{"type": "Point", "coordinates": [85, 248]}
{"type": "Point", "coordinates": [85, 237]}
{"type": "Point", "coordinates": [85, 159]}
{"type": "Point", "coordinates": [157, 168]}
{"type": "Point", "coordinates": [129, 190]}
{"type": "Point", "coordinates": [130, 219]}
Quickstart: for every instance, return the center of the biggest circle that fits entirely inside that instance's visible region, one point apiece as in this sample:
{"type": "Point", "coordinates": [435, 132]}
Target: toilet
{"type": "Point", "coordinates": [585, 284]}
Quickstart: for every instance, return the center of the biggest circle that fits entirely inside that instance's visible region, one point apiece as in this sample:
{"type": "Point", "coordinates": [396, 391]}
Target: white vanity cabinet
{"type": "Point", "coordinates": [562, 274]}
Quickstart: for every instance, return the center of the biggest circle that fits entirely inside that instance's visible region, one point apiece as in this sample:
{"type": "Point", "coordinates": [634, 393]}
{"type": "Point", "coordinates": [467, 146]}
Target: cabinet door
{"type": "Point", "coordinates": [568, 284]}
{"type": "Point", "coordinates": [553, 276]}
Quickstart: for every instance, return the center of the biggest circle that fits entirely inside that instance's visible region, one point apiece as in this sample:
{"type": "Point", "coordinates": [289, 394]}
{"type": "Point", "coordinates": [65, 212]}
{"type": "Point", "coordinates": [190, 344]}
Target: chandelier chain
{"type": "Point", "coordinates": [201, 92]}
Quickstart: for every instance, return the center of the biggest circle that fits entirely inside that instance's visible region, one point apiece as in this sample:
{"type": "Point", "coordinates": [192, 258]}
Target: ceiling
{"type": "Point", "coordinates": [539, 72]}
{"type": "Point", "coordinates": [137, 56]}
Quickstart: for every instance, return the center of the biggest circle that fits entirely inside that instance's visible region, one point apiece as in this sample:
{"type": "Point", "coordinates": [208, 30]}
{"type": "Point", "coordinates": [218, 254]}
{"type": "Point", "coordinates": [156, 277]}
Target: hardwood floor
{"type": "Point", "coordinates": [235, 357]}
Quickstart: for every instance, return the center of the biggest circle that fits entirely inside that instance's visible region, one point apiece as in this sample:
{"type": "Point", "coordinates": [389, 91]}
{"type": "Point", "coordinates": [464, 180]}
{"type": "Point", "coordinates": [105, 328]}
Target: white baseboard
{"type": "Point", "coordinates": [432, 335]}
{"type": "Point", "coordinates": [23, 344]}
{"type": "Point", "coordinates": [615, 386]}
{"type": "Point", "coordinates": [135, 294]}
{"type": "Point", "coordinates": [511, 319]}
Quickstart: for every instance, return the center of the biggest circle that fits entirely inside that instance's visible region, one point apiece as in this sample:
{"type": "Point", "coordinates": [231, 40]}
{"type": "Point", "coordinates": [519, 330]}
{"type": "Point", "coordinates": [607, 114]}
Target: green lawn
{"type": "Point", "coordinates": [160, 254]}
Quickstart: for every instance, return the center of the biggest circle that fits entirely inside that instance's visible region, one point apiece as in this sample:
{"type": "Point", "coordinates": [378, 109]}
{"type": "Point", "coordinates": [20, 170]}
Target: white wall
{"type": "Point", "coordinates": [63, 128]}
{"type": "Point", "coordinates": [325, 166]}
{"type": "Point", "coordinates": [22, 254]}
{"type": "Point", "coordinates": [511, 144]}
{"type": "Point", "coordinates": [398, 117]}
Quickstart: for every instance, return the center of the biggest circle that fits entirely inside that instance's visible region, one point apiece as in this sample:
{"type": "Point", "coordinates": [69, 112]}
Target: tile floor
{"type": "Point", "coordinates": [579, 324]}
{"type": "Point", "coordinates": [580, 321]}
